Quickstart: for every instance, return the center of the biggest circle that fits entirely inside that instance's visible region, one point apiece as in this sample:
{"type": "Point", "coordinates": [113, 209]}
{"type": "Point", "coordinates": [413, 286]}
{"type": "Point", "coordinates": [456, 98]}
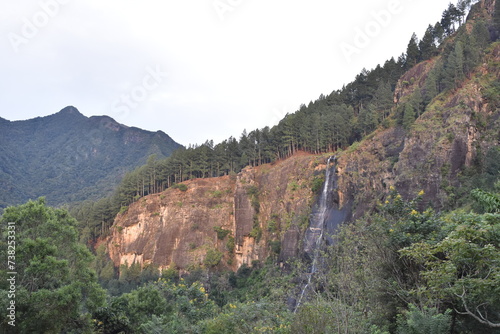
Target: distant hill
{"type": "Point", "coordinates": [68, 157]}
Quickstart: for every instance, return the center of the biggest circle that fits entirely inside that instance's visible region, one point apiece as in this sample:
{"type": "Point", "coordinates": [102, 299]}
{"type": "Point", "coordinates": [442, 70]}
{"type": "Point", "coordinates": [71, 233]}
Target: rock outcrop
{"type": "Point", "coordinates": [246, 217]}
{"type": "Point", "coordinates": [455, 133]}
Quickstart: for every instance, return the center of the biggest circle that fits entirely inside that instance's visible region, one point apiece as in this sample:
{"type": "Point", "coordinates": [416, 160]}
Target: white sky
{"type": "Point", "coordinates": [221, 65]}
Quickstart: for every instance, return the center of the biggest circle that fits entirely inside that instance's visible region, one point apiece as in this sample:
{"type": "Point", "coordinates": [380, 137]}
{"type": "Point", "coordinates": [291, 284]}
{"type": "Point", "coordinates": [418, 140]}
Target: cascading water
{"type": "Point", "coordinates": [314, 234]}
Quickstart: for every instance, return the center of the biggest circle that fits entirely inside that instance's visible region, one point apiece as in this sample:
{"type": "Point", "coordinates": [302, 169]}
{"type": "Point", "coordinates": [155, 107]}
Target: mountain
{"type": "Point", "coordinates": [442, 149]}
{"type": "Point", "coordinates": [68, 157]}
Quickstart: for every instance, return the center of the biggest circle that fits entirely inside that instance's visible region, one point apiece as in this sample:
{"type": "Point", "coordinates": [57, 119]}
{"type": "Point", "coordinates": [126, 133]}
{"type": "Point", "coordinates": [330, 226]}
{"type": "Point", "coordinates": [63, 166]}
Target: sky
{"type": "Point", "coordinates": [198, 69]}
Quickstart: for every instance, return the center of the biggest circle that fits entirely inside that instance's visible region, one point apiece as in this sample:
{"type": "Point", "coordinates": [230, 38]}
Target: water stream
{"type": "Point", "coordinates": [317, 225]}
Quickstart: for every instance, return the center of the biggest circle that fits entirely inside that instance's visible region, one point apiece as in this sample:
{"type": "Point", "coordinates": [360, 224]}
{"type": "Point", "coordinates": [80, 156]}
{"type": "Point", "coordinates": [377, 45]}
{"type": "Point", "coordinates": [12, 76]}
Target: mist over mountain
{"type": "Point", "coordinates": [69, 157]}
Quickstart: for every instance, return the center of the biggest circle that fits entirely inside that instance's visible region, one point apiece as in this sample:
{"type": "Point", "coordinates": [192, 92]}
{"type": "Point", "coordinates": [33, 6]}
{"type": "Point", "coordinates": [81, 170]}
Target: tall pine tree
{"type": "Point", "coordinates": [412, 52]}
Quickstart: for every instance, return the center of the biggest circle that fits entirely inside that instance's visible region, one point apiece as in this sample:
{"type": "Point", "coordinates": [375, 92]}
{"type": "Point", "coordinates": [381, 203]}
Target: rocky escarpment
{"type": "Point", "coordinates": [236, 219]}
{"type": "Point", "coordinates": [457, 132]}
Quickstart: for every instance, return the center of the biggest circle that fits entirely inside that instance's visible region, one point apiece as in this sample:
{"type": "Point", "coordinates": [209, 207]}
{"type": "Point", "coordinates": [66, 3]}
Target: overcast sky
{"type": "Point", "coordinates": [195, 69]}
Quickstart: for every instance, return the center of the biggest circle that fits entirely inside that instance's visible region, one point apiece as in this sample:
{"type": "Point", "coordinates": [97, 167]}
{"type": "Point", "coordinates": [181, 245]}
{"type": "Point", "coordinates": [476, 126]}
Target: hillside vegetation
{"type": "Point", "coordinates": [417, 161]}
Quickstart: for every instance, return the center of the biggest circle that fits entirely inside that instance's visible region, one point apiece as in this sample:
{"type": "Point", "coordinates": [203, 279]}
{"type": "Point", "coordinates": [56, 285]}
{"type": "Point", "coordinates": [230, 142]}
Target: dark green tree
{"type": "Point", "coordinates": [438, 33]}
{"type": "Point", "coordinates": [56, 289]}
{"type": "Point", "coordinates": [412, 52]}
{"type": "Point", "coordinates": [496, 22]}
{"type": "Point", "coordinates": [408, 115]}
{"type": "Point", "coordinates": [426, 45]}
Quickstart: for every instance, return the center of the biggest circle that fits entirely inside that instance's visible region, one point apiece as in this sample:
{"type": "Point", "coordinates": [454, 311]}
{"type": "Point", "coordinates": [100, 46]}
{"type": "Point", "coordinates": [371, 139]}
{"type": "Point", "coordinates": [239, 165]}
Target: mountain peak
{"type": "Point", "coordinates": [70, 110]}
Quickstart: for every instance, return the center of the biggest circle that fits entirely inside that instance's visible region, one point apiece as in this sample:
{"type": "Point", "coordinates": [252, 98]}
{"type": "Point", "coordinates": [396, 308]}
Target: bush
{"type": "Point", "coordinates": [212, 258]}
{"type": "Point", "coordinates": [180, 186]}
{"type": "Point", "coordinates": [317, 184]}
{"type": "Point", "coordinates": [221, 233]}
{"type": "Point", "coordinates": [426, 321]}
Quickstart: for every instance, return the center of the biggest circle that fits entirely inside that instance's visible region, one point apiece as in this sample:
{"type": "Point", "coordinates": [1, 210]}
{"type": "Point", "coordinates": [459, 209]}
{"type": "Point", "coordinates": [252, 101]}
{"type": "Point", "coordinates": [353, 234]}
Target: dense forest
{"type": "Point", "coordinates": [402, 268]}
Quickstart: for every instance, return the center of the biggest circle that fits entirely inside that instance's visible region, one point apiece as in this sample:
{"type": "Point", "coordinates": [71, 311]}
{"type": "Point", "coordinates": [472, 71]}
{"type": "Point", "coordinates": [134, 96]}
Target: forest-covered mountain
{"type": "Point", "coordinates": [68, 157]}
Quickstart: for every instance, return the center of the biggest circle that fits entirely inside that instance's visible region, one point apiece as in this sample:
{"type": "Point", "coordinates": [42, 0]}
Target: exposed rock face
{"type": "Point", "coordinates": [454, 133]}
{"type": "Point", "coordinates": [263, 209]}
{"type": "Point", "coordinates": [413, 79]}
{"type": "Point", "coordinates": [175, 226]}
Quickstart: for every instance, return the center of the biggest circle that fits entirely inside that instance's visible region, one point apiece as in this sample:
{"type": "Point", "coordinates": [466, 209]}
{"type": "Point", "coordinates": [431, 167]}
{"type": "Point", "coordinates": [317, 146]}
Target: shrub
{"type": "Point", "coordinates": [180, 186]}
{"type": "Point", "coordinates": [212, 258]}
{"type": "Point", "coordinates": [221, 233]}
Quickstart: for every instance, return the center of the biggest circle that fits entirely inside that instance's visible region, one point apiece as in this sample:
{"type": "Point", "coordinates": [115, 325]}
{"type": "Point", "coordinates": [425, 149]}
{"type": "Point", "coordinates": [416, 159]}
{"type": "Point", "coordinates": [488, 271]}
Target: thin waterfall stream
{"type": "Point", "coordinates": [314, 235]}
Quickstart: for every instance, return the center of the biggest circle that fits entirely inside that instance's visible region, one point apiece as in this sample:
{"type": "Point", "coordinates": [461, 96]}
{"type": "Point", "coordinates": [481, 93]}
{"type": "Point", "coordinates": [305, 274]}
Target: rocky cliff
{"type": "Point", "coordinates": [458, 132]}
{"type": "Point", "coordinates": [258, 213]}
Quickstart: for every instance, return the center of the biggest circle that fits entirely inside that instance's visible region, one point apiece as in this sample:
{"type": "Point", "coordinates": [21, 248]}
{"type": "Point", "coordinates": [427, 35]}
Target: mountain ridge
{"type": "Point", "coordinates": [75, 156]}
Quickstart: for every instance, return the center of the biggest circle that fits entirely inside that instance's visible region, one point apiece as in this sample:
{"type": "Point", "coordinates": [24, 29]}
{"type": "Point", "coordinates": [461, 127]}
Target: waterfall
{"type": "Point", "coordinates": [317, 224]}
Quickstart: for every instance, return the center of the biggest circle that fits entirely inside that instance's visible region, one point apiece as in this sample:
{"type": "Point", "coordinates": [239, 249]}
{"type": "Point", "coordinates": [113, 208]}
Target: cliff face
{"type": "Point", "coordinates": [261, 211]}
{"type": "Point", "coordinates": [458, 130]}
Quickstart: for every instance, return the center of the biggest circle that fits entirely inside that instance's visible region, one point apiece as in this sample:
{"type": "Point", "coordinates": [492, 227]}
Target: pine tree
{"type": "Point", "coordinates": [496, 21]}
{"type": "Point", "coordinates": [448, 72]}
{"type": "Point", "coordinates": [383, 99]}
{"type": "Point", "coordinates": [416, 101]}
{"type": "Point", "coordinates": [426, 45]}
{"type": "Point", "coordinates": [408, 116]}
{"type": "Point", "coordinates": [459, 64]}
{"type": "Point", "coordinates": [412, 52]}
{"type": "Point", "coordinates": [438, 33]}
{"type": "Point", "coordinates": [430, 88]}
{"type": "Point", "coordinates": [481, 34]}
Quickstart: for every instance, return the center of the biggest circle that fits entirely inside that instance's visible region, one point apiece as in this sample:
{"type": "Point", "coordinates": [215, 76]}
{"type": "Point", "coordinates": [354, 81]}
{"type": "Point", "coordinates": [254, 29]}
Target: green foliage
{"type": "Point", "coordinates": [123, 209]}
{"type": "Point", "coordinates": [464, 266]}
{"type": "Point", "coordinates": [412, 52]}
{"type": "Point", "coordinates": [489, 201]}
{"type": "Point", "coordinates": [409, 116]}
{"type": "Point", "coordinates": [252, 190]}
{"type": "Point", "coordinates": [221, 233]}
{"type": "Point", "coordinates": [160, 307]}
{"type": "Point", "coordinates": [212, 258]}
{"type": "Point", "coordinates": [427, 47]}
{"type": "Point", "coordinates": [272, 226]}
{"type": "Point", "coordinates": [170, 274]}
{"type": "Point", "coordinates": [256, 233]}
{"type": "Point", "coordinates": [55, 288]}
{"type": "Point", "coordinates": [180, 186]}
{"type": "Point", "coordinates": [492, 95]}
{"type": "Point", "coordinates": [253, 193]}
{"type": "Point", "coordinates": [275, 246]}
{"type": "Point", "coordinates": [230, 244]}
{"type": "Point", "coordinates": [317, 184]}
{"type": "Point", "coordinates": [327, 316]}
{"type": "Point", "coordinates": [251, 317]}
{"type": "Point", "coordinates": [425, 321]}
